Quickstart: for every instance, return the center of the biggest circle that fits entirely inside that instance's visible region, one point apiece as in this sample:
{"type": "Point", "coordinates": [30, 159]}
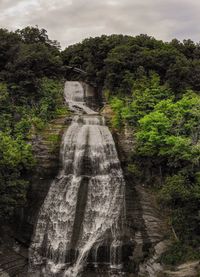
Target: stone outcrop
{"type": "Point", "coordinates": [145, 229]}
{"type": "Point", "coordinates": [190, 269]}
{"type": "Point", "coordinates": [145, 224]}
{"type": "Point", "coordinates": [13, 256]}
{"type": "Point", "coordinates": [46, 148]}
{"type": "Point", "coordinates": [15, 239]}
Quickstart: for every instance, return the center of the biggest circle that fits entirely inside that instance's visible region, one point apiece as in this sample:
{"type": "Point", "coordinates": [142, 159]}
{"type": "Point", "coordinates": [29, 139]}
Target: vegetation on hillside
{"type": "Point", "coordinates": [115, 61]}
{"type": "Point", "coordinates": [167, 153]}
{"type": "Point", "coordinates": [30, 96]}
{"type": "Point", "coordinates": [153, 88]}
{"type": "Point", "coordinates": [166, 130]}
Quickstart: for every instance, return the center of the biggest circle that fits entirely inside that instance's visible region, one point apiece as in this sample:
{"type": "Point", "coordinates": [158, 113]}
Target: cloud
{"type": "Point", "coordinates": [70, 21]}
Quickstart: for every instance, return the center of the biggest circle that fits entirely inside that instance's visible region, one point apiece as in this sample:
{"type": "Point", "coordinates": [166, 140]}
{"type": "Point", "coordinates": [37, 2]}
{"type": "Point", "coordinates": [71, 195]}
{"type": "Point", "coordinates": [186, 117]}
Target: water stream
{"type": "Point", "coordinates": [84, 208]}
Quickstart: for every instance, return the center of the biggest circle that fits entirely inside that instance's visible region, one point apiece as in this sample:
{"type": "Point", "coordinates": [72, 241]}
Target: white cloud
{"type": "Point", "coordinates": [70, 21]}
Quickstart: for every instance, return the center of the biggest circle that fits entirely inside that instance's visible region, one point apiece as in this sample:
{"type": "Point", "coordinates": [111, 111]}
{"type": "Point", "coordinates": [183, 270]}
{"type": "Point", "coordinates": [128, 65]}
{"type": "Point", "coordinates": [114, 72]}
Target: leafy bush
{"type": "Point", "coordinates": [30, 96]}
{"type": "Point", "coordinates": [166, 131]}
{"type": "Point", "coordinates": [15, 158]}
{"type": "Point", "coordinates": [176, 188]}
{"type": "Point", "coordinates": [179, 253]}
{"type": "Point", "coordinates": [51, 100]}
{"type": "Point", "coordinates": [171, 131]}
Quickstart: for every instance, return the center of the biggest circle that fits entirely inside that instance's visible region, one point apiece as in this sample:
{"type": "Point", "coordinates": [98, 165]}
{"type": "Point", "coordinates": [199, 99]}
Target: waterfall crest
{"type": "Point", "coordinates": [85, 202]}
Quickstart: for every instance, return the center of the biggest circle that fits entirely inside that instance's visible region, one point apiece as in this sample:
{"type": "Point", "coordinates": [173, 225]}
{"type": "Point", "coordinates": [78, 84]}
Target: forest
{"type": "Point", "coordinates": [153, 88]}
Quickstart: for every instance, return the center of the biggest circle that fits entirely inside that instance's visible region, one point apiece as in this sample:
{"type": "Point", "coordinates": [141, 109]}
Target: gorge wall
{"type": "Point", "coordinates": [144, 229]}
{"type": "Point", "coordinates": [82, 217]}
{"type": "Point", "coordinates": [145, 226]}
{"type": "Point", "coordinates": [46, 149]}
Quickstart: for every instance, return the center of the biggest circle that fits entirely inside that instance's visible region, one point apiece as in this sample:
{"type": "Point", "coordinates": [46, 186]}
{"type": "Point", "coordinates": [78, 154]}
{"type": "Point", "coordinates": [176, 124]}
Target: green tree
{"type": "Point", "coordinates": [15, 159]}
{"type": "Point", "coordinates": [172, 131]}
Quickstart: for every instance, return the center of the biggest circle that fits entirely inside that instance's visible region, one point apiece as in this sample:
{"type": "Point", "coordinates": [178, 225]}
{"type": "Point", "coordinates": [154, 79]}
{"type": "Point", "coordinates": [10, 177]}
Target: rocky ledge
{"type": "Point", "coordinates": [46, 148]}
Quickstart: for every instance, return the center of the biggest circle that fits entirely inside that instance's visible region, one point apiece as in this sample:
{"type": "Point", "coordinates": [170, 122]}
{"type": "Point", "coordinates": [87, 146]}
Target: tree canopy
{"type": "Point", "coordinates": [30, 95]}
{"type": "Point", "coordinates": [152, 87]}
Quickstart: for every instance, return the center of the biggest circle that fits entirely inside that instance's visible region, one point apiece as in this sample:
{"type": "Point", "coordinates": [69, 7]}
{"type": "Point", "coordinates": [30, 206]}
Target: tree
{"type": "Point", "coordinates": [32, 35]}
{"type": "Point", "coordinates": [170, 129]}
{"type": "Point", "coordinates": [15, 158]}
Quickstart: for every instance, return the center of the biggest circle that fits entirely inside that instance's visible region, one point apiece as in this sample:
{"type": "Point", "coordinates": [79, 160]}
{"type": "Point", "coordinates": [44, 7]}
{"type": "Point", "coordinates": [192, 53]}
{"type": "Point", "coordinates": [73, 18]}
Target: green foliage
{"type": "Point", "coordinates": [171, 131]}
{"type": "Point", "coordinates": [135, 170]}
{"type": "Point", "coordinates": [53, 138]}
{"type": "Point", "coordinates": [176, 188]}
{"type": "Point", "coordinates": [3, 95]}
{"type": "Point", "coordinates": [117, 106]}
{"type": "Point", "coordinates": [5, 115]}
{"type": "Point", "coordinates": [38, 123]}
{"type": "Point", "coordinates": [15, 158]}
{"type": "Point", "coordinates": [51, 100]}
{"type": "Point", "coordinates": [15, 128]}
{"type": "Point", "coordinates": [179, 253]}
{"type": "Point", "coordinates": [115, 62]}
{"type": "Point", "coordinates": [146, 93]}
{"type": "Point", "coordinates": [31, 35]}
{"type": "Point", "coordinates": [14, 151]}
{"type": "Point", "coordinates": [30, 96]}
{"type": "Point", "coordinates": [152, 86]}
{"type": "Point", "coordinates": [29, 55]}
{"type": "Point", "coordinates": [167, 134]}
{"type": "Point", "coordinates": [152, 134]}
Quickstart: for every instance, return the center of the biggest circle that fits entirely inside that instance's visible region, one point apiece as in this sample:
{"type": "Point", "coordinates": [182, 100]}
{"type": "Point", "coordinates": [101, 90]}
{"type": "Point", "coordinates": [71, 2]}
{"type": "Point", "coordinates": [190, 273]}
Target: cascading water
{"type": "Point", "coordinates": [85, 202]}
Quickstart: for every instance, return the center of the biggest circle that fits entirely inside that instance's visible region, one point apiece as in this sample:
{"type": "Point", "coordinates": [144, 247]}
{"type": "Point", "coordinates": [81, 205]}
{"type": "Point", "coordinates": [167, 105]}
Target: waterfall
{"type": "Point", "coordinates": [85, 202]}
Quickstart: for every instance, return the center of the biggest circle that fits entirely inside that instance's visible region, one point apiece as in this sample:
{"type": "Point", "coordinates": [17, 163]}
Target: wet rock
{"type": "Point", "coordinates": [190, 269]}
{"type": "Point", "coordinates": [46, 148]}
{"type": "Point", "coordinates": [146, 226]}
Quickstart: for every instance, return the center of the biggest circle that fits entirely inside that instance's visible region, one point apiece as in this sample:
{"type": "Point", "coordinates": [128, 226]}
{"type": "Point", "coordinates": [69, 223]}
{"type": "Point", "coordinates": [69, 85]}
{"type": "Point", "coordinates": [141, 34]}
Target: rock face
{"type": "Point", "coordinates": [46, 147]}
{"type": "Point", "coordinates": [145, 229]}
{"type": "Point", "coordinates": [190, 269]}
{"type": "Point", "coordinates": [13, 256]}
{"type": "Point", "coordinates": [92, 97]}
{"type": "Point", "coordinates": [145, 226]}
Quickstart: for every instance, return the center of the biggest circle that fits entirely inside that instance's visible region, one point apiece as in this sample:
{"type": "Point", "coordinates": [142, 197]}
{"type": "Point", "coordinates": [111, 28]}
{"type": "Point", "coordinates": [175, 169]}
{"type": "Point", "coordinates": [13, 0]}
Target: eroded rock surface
{"type": "Point", "coordinates": [190, 269]}
{"type": "Point", "coordinates": [46, 147]}
{"type": "Point", "coordinates": [146, 226]}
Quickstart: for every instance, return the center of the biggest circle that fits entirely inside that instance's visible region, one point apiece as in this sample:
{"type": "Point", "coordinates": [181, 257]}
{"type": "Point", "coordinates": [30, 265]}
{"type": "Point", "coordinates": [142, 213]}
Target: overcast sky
{"type": "Point", "coordinates": [70, 21]}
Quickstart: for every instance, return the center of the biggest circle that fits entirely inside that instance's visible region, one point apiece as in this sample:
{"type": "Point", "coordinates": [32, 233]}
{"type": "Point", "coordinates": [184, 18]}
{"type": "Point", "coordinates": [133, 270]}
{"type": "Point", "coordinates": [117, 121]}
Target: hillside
{"type": "Point", "coordinates": [152, 90]}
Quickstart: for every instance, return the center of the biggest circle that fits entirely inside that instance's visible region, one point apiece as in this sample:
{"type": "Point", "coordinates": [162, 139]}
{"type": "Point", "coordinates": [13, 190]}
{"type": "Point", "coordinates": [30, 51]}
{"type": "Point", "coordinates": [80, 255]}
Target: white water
{"type": "Point", "coordinates": [74, 96]}
{"type": "Point", "coordinates": [86, 199]}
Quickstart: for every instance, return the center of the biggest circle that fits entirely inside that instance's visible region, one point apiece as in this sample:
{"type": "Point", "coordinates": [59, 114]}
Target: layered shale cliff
{"type": "Point", "coordinates": [146, 234]}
